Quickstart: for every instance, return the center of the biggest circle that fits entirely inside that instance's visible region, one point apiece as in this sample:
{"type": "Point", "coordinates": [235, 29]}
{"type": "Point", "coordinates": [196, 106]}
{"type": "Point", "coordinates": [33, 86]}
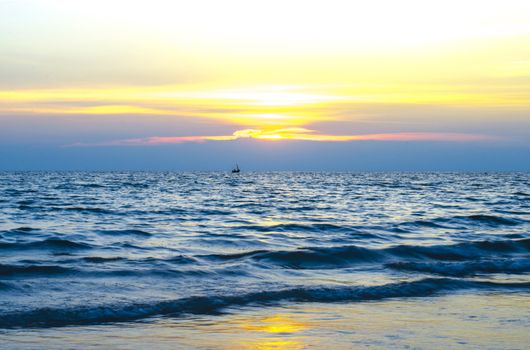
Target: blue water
{"type": "Point", "coordinates": [89, 248]}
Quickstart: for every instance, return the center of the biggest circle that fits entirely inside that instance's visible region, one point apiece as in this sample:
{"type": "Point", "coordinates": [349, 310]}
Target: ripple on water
{"type": "Point", "coordinates": [93, 247]}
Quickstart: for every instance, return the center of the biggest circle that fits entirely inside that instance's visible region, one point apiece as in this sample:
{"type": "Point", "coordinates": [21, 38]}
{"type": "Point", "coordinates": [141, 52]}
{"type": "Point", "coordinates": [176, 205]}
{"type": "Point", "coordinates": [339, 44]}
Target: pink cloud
{"type": "Point", "coordinates": [298, 134]}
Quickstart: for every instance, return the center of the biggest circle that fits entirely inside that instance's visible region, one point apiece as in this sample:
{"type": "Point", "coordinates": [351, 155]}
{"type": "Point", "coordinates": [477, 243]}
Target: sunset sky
{"type": "Point", "coordinates": [294, 85]}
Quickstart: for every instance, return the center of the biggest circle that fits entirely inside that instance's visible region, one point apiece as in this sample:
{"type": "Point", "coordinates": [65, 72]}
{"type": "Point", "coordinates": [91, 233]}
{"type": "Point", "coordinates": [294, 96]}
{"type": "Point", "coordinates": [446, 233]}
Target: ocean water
{"type": "Point", "coordinates": [264, 260]}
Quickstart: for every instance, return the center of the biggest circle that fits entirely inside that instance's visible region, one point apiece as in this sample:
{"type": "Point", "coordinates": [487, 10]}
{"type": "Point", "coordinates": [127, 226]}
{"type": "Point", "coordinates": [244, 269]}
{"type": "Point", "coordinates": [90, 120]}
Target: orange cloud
{"type": "Point", "coordinates": [297, 134]}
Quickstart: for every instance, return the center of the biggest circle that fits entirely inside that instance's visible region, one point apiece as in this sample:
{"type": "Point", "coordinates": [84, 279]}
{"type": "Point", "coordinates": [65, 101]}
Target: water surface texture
{"type": "Point", "coordinates": [95, 249]}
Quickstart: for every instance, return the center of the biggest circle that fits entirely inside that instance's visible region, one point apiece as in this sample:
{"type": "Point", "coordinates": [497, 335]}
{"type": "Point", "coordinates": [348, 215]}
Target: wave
{"type": "Point", "coordinates": [12, 192]}
{"type": "Point", "coordinates": [341, 256]}
{"type": "Point", "coordinates": [6, 286]}
{"type": "Point", "coordinates": [213, 212]}
{"type": "Point", "coordinates": [93, 210]}
{"type": "Point", "coordinates": [54, 317]}
{"type": "Point", "coordinates": [15, 270]}
{"type": "Point", "coordinates": [436, 223]}
{"type": "Point", "coordinates": [178, 259]}
{"type": "Point", "coordinates": [23, 230]}
{"type": "Point", "coordinates": [181, 259]}
{"type": "Point", "coordinates": [130, 232]}
{"type": "Point", "coordinates": [51, 243]}
{"type": "Point", "coordinates": [91, 185]}
{"type": "Point", "coordinates": [461, 251]}
{"type": "Point", "coordinates": [482, 219]}
{"type": "Point", "coordinates": [462, 269]}
{"type": "Point", "coordinates": [424, 223]}
{"type": "Point", "coordinates": [307, 258]}
{"type": "Point", "coordinates": [100, 259]}
{"type": "Point", "coordinates": [55, 271]}
{"type": "Point", "coordinates": [77, 209]}
{"type": "Point", "coordinates": [491, 220]}
{"type": "Point", "coordinates": [294, 227]}
{"type": "Point", "coordinates": [147, 272]}
{"type": "Point", "coordinates": [133, 184]}
{"type": "Point", "coordinates": [18, 271]}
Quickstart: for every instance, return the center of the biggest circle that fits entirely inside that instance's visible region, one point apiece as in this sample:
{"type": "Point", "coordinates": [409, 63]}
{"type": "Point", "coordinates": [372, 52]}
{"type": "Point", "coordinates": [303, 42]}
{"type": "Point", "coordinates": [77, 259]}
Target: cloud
{"type": "Point", "coordinates": [296, 134]}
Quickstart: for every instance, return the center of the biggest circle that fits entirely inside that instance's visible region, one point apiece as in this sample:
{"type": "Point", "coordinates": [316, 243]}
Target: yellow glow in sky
{"type": "Point", "coordinates": [264, 65]}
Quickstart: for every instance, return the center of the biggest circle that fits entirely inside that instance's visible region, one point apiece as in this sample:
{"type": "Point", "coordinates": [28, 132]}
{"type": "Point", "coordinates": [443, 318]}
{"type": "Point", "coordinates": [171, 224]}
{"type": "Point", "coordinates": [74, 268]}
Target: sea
{"type": "Point", "coordinates": [264, 260]}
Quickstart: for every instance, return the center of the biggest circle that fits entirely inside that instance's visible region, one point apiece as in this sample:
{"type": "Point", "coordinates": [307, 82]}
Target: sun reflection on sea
{"type": "Point", "coordinates": [274, 345]}
{"type": "Point", "coordinates": [273, 332]}
{"type": "Point", "coordinates": [275, 324]}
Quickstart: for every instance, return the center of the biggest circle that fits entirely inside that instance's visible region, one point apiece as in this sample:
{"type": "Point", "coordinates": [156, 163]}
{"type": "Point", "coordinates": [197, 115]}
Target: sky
{"type": "Point", "coordinates": [270, 85]}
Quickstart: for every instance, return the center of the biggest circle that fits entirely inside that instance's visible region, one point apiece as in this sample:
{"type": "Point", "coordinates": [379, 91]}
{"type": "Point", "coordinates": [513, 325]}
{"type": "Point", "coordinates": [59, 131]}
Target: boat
{"type": "Point", "coordinates": [236, 169]}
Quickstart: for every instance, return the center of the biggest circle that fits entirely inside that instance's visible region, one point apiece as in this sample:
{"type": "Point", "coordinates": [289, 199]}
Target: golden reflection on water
{"type": "Point", "coordinates": [274, 332]}
{"type": "Point", "coordinates": [273, 344]}
{"type": "Point", "coordinates": [276, 324]}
